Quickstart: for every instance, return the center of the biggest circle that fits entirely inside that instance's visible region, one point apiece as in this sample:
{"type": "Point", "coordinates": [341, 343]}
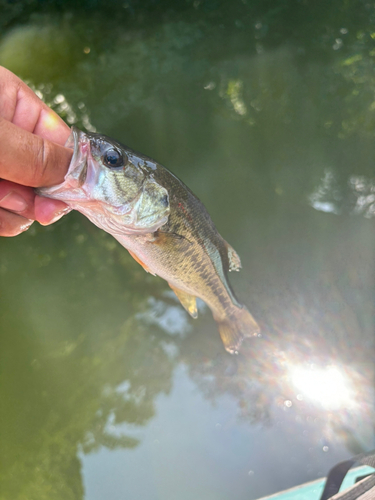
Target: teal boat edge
{"type": "Point", "coordinates": [313, 489]}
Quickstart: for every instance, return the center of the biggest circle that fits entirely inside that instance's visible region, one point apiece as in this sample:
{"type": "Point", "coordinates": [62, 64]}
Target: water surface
{"type": "Point", "coordinates": [109, 389]}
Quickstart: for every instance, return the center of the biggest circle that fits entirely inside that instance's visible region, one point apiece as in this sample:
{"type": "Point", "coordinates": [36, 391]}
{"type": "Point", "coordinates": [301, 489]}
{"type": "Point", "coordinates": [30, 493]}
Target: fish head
{"type": "Point", "coordinates": [112, 185]}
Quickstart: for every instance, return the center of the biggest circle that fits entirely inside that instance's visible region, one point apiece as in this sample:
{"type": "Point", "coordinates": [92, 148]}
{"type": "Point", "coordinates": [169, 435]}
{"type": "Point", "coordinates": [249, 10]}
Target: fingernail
{"type": "Point", "coordinates": [26, 225]}
{"type": "Point", "coordinates": [58, 216]}
{"type": "Point", "coordinates": [13, 201]}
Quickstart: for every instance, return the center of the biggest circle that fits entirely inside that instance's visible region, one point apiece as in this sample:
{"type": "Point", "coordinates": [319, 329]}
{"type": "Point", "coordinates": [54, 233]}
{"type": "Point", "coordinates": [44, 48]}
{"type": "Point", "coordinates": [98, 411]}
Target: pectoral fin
{"type": "Point", "coordinates": [137, 259]}
{"type": "Point", "coordinates": [161, 237]}
{"type": "Point", "coordinates": [188, 301]}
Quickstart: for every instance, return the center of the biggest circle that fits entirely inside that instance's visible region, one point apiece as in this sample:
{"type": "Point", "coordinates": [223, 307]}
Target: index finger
{"type": "Point", "coordinates": [20, 105]}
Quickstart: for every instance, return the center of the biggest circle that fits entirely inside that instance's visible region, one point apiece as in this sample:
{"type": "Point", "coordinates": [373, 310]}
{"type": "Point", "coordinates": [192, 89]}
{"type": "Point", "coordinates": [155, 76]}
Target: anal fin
{"type": "Point", "coordinates": [189, 302]}
{"type": "Point", "coordinates": [137, 259]}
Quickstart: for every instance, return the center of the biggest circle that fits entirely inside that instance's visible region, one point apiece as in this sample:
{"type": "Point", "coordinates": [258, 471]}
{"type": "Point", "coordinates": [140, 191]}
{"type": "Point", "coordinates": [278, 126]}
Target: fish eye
{"type": "Point", "coordinates": [112, 158]}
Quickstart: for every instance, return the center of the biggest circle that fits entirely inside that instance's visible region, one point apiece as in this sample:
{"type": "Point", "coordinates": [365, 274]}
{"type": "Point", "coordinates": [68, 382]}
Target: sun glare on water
{"type": "Point", "coordinates": [328, 386]}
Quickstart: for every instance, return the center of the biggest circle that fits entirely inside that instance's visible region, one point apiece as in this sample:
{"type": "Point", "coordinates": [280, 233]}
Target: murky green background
{"type": "Point", "coordinates": [267, 111]}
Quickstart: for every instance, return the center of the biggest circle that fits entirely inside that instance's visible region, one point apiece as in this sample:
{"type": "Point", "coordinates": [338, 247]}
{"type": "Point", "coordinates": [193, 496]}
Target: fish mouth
{"type": "Point", "coordinates": [71, 189]}
{"type": "Point", "coordinates": [80, 143]}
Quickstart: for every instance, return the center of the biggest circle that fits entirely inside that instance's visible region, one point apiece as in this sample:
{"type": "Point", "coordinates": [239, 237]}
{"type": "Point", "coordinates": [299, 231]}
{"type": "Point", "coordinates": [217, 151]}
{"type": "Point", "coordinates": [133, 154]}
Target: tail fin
{"type": "Point", "coordinates": [236, 327]}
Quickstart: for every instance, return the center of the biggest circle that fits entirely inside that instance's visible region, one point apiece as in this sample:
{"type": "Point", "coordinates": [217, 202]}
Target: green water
{"type": "Point", "coordinates": [108, 389]}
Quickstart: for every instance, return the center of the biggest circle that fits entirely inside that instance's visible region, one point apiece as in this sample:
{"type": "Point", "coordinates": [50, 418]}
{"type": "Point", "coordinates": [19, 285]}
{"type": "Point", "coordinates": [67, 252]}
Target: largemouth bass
{"type": "Point", "coordinates": [162, 224]}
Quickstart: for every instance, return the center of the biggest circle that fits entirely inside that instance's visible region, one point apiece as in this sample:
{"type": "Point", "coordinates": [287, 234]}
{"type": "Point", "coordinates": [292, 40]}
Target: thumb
{"type": "Point", "coordinates": [30, 160]}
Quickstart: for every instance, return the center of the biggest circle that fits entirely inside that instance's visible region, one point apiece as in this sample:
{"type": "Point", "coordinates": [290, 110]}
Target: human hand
{"type": "Point", "coordinates": [31, 155]}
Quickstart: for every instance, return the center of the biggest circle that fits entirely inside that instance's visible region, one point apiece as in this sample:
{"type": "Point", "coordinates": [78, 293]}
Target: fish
{"type": "Point", "coordinates": [162, 224]}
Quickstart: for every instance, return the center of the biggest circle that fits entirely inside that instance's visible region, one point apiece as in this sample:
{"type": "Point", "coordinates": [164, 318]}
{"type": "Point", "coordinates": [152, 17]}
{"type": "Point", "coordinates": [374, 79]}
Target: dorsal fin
{"type": "Point", "coordinates": [188, 301]}
{"type": "Point", "coordinates": [233, 258]}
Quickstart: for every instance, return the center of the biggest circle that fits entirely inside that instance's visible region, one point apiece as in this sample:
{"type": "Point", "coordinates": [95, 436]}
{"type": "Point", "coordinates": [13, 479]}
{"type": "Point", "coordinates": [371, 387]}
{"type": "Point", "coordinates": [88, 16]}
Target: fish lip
{"type": "Point", "coordinates": [80, 156]}
{"type": "Point", "coordinates": [72, 142]}
{"type": "Point", "coordinates": [77, 172]}
{"type": "Point", "coordinates": [81, 150]}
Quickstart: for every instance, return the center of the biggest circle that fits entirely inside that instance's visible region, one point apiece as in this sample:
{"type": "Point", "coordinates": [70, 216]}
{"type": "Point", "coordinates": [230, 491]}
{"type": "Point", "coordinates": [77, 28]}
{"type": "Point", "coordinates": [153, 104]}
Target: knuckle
{"type": "Point", "coordinates": [40, 162]}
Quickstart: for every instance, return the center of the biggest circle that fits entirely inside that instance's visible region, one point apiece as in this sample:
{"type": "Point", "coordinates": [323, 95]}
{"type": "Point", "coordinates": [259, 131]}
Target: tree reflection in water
{"type": "Point", "coordinates": [73, 371]}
